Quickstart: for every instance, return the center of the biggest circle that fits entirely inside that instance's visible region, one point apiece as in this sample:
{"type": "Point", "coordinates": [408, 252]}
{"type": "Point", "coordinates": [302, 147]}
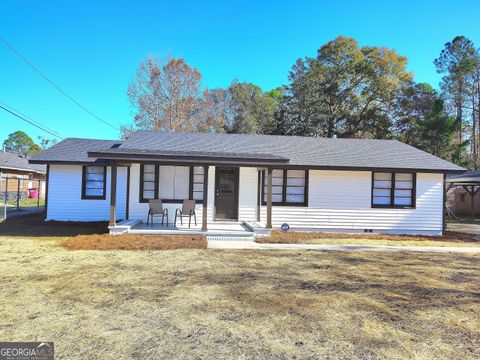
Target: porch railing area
{"type": "Point", "coordinates": [21, 196]}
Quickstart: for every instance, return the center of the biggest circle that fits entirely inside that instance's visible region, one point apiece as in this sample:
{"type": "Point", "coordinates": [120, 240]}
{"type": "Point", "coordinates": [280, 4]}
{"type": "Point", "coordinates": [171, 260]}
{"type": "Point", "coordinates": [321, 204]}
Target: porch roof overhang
{"type": "Point", "coordinates": [464, 181]}
{"type": "Point", "coordinates": [188, 157]}
{"type": "Point", "coordinates": [470, 183]}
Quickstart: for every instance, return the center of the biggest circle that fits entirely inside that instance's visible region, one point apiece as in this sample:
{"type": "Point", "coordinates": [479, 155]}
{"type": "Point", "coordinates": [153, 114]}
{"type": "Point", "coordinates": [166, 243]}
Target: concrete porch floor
{"type": "Point", "coordinates": [216, 229]}
{"type": "Point", "coordinates": [213, 228]}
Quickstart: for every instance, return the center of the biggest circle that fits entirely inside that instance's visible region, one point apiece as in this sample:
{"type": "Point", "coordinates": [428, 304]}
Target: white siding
{"type": "Point", "coordinates": [341, 201]}
{"type": "Point", "coordinates": [247, 196]}
{"type": "Point", "coordinates": [338, 201]}
{"type": "Point", "coordinates": [65, 196]}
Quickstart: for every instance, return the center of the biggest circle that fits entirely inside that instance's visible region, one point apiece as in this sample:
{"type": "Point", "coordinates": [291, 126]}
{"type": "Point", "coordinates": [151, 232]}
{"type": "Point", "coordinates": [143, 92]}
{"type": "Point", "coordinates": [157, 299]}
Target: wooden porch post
{"type": "Point", "coordinates": [113, 194]}
{"type": "Point", "coordinates": [205, 199]}
{"type": "Point", "coordinates": [444, 202]}
{"type": "Point", "coordinates": [259, 194]}
{"type": "Point", "coordinates": [472, 192]}
{"type": "Point", "coordinates": [47, 175]}
{"type": "Point", "coordinates": [269, 198]}
{"type": "Point", "coordinates": [472, 204]}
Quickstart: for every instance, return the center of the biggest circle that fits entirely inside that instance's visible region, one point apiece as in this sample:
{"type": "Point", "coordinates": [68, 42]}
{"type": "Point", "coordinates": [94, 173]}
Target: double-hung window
{"type": "Point", "coordinates": [171, 183]}
{"type": "Point", "coordinates": [148, 182]}
{"type": "Point", "coordinates": [277, 187]}
{"type": "Point", "coordinates": [196, 183]}
{"type": "Point", "coordinates": [395, 190]}
{"type": "Point", "coordinates": [289, 187]}
{"type": "Point", "coordinates": [94, 182]}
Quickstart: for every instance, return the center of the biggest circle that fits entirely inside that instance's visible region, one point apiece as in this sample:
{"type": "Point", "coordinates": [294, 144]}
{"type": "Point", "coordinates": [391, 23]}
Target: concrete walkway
{"type": "Point", "coordinates": [218, 244]}
{"type": "Point", "coordinates": [471, 229]}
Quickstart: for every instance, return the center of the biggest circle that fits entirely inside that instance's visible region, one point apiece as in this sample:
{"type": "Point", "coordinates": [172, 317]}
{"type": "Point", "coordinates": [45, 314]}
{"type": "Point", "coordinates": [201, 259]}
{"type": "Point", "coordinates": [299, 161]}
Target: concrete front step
{"type": "Point", "coordinates": [257, 228]}
{"type": "Point", "coordinates": [230, 238]}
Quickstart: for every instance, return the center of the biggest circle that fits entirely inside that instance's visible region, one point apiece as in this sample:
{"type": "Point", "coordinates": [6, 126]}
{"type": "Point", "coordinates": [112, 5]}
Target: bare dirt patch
{"type": "Point", "coordinates": [36, 226]}
{"type": "Point", "coordinates": [134, 242]}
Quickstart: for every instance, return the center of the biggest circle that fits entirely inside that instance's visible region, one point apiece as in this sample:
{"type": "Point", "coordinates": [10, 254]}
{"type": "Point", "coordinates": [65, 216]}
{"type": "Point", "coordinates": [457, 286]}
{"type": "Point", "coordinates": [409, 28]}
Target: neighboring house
{"type": "Point", "coordinates": [14, 166]}
{"type": "Point", "coordinates": [314, 184]}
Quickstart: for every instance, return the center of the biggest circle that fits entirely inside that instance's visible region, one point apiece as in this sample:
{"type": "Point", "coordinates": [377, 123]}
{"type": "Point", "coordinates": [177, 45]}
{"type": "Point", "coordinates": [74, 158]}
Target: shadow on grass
{"type": "Point", "coordinates": [285, 291]}
{"type": "Point", "coordinates": [34, 225]}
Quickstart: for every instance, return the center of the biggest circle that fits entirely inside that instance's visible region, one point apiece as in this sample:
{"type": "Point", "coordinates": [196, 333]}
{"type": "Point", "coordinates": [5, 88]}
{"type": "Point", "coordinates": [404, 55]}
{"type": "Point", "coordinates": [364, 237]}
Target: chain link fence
{"type": "Point", "coordinates": [20, 196]}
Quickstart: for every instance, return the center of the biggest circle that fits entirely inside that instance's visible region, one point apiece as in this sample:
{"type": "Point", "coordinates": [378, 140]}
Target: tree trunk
{"type": "Point", "coordinates": [474, 135]}
{"type": "Point", "coordinates": [459, 120]}
{"type": "Point", "coordinates": [330, 130]}
{"type": "Point", "coordinates": [477, 111]}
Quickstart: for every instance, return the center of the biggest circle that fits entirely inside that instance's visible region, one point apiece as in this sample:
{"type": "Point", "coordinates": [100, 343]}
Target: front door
{"type": "Point", "coordinates": [226, 193]}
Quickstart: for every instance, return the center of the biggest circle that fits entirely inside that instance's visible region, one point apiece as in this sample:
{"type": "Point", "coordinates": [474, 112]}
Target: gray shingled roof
{"type": "Point", "coordinates": [74, 150]}
{"type": "Point", "coordinates": [472, 176]}
{"type": "Point", "coordinates": [468, 174]}
{"type": "Point", "coordinates": [295, 150]}
{"type": "Point", "coordinates": [19, 162]}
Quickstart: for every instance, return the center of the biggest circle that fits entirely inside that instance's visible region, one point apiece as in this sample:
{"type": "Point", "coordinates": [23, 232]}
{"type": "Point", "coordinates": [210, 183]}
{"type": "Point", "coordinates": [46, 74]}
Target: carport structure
{"type": "Point", "coordinates": [470, 182]}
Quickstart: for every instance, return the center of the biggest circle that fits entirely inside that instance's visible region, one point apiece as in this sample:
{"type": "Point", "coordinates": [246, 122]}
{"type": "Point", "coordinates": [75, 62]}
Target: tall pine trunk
{"type": "Point", "coordinates": [474, 134]}
{"type": "Point", "coordinates": [476, 110]}
{"type": "Point", "coordinates": [459, 120]}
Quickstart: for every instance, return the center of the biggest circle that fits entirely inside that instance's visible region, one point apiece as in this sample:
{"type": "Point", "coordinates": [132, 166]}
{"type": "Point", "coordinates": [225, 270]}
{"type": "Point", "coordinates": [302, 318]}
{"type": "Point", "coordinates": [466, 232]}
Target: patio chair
{"type": "Point", "coordinates": [155, 208]}
{"type": "Point", "coordinates": [188, 209]}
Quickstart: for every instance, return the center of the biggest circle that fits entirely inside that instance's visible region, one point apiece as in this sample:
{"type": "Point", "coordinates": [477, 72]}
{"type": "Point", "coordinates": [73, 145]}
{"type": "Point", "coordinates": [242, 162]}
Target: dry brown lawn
{"type": "Point", "coordinates": [447, 239]}
{"type": "Point", "coordinates": [207, 304]}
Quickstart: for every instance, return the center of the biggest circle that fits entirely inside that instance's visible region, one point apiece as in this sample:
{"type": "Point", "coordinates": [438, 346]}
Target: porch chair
{"type": "Point", "coordinates": [188, 209]}
{"type": "Point", "coordinates": [155, 207]}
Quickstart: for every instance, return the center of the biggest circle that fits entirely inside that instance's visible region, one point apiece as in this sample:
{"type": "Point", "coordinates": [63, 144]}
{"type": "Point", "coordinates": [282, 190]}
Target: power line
{"type": "Point", "coordinates": [30, 122]}
{"type": "Point", "coordinates": [55, 85]}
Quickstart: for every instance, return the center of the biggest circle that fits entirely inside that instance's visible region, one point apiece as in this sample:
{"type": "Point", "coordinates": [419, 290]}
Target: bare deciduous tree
{"type": "Point", "coordinates": [169, 96]}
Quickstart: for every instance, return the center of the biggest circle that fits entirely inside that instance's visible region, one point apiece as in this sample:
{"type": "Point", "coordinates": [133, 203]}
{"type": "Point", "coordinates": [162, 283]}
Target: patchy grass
{"type": "Point", "coordinates": [28, 202]}
{"type": "Point", "coordinates": [465, 219]}
{"type": "Point", "coordinates": [193, 304]}
{"type": "Point", "coordinates": [134, 242]}
{"type": "Point", "coordinates": [448, 239]}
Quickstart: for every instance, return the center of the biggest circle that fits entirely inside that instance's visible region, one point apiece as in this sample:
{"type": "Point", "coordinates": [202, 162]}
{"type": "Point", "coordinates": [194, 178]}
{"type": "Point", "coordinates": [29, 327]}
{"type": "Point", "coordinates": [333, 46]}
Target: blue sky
{"type": "Point", "coordinates": [91, 49]}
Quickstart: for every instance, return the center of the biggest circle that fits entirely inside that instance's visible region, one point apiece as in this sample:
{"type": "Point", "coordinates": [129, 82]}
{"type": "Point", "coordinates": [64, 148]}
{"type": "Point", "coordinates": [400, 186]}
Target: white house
{"type": "Point", "coordinates": [314, 184]}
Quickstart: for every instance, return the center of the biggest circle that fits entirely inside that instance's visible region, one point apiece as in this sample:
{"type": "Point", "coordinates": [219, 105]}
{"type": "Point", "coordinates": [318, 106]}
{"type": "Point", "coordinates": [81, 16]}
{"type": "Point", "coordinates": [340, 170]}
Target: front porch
{"type": "Point", "coordinates": [217, 190]}
{"type": "Point", "coordinates": [216, 230]}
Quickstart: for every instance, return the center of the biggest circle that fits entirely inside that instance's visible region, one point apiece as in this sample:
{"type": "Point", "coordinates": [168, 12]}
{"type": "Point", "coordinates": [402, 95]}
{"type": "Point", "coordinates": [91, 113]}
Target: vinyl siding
{"type": "Point", "coordinates": [247, 196]}
{"type": "Point", "coordinates": [341, 201]}
{"type": "Point", "coordinates": [65, 192]}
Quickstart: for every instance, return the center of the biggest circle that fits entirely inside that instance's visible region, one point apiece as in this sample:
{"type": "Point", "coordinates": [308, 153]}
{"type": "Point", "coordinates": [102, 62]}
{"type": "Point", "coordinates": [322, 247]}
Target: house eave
{"type": "Point", "coordinates": [22, 169]}
{"type": "Point", "coordinates": [209, 161]}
